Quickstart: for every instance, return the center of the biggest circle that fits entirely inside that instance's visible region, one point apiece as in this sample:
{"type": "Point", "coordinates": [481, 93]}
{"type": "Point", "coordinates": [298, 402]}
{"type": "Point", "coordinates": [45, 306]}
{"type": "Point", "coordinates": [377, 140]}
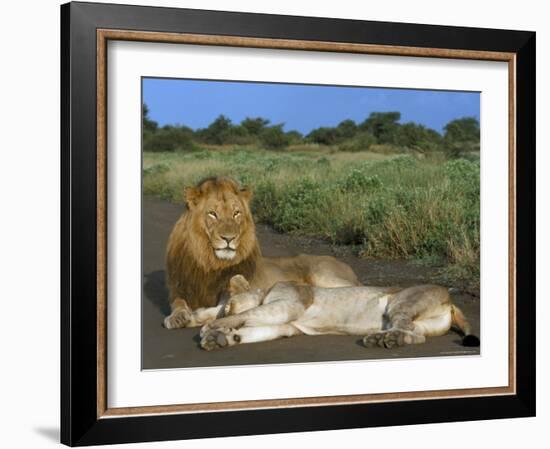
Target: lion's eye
{"type": "Point", "coordinates": [236, 214]}
{"type": "Point", "coordinates": [213, 215]}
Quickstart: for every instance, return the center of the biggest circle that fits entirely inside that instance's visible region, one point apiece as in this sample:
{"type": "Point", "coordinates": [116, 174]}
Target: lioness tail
{"type": "Point", "coordinates": [459, 320]}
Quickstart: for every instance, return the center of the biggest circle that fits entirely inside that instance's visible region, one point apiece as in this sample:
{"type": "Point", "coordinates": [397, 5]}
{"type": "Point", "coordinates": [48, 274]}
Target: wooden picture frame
{"type": "Point", "coordinates": [86, 29]}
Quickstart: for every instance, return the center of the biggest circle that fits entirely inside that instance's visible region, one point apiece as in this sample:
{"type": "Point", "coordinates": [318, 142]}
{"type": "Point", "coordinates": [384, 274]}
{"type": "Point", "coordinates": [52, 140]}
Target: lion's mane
{"type": "Point", "coordinates": [194, 273]}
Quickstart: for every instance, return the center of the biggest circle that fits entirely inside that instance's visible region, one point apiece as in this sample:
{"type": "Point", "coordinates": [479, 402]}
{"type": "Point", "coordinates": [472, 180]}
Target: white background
{"type": "Point", "coordinates": [129, 386]}
{"type": "Point", "coordinates": [29, 185]}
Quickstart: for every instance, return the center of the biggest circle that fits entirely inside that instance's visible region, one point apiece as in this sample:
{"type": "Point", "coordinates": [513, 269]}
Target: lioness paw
{"type": "Point", "coordinates": [388, 339]}
{"type": "Point", "coordinates": [213, 340]}
{"type": "Point", "coordinates": [216, 338]}
{"type": "Point", "coordinates": [212, 326]}
{"type": "Point", "coordinates": [373, 340]}
{"type": "Point", "coordinates": [396, 338]}
{"type": "Point", "coordinates": [205, 329]}
{"type": "Point", "coordinates": [228, 308]}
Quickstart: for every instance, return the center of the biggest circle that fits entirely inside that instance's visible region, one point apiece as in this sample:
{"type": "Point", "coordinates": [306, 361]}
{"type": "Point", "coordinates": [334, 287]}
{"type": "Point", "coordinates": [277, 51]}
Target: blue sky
{"type": "Point", "coordinates": [196, 103]}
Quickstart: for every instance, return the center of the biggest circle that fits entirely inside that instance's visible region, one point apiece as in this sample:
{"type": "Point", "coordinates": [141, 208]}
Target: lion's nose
{"type": "Point", "coordinates": [228, 238]}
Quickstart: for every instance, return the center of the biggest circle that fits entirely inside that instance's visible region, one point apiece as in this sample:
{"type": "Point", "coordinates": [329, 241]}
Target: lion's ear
{"type": "Point", "coordinates": [238, 284]}
{"type": "Point", "coordinates": [191, 196]}
{"type": "Point", "coordinates": [246, 194]}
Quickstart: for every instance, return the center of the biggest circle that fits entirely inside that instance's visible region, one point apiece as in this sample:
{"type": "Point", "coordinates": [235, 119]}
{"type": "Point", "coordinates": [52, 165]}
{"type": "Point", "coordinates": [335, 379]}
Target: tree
{"type": "Point", "coordinates": [382, 125]}
{"type": "Point", "coordinates": [362, 141]}
{"type": "Point", "coordinates": [274, 138]}
{"type": "Point", "coordinates": [169, 138]}
{"type": "Point", "coordinates": [148, 124]}
{"type": "Point", "coordinates": [346, 129]}
{"type": "Point", "coordinates": [294, 137]}
{"type": "Point", "coordinates": [462, 130]}
{"type": "Point", "coordinates": [237, 135]}
{"type": "Point", "coordinates": [461, 136]}
{"type": "Point", "coordinates": [254, 125]}
{"type": "Point", "coordinates": [324, 136]}
{"type": "Point", "coordinates": [418, 137]}
{"type": "Point", "coordinates": [214, 134]}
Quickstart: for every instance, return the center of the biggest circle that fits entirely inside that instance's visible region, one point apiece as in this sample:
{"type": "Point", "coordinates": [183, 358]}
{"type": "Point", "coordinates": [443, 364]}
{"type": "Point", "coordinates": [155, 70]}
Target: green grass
{"type": "Point", "coordinates": [387, 206]}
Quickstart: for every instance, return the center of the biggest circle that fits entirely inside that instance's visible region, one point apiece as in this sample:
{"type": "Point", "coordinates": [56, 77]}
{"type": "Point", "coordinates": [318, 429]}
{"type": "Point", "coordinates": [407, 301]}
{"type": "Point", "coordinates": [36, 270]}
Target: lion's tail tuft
{"type": "Point", "coordinates": [460, 321]}
{"type": "Point", "coordinates": [470, 340]}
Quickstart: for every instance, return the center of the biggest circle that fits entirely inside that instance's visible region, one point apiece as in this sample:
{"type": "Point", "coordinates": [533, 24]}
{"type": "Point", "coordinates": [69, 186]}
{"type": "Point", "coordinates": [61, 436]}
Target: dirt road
{"type": "Point", "coordinates": [162, 348]}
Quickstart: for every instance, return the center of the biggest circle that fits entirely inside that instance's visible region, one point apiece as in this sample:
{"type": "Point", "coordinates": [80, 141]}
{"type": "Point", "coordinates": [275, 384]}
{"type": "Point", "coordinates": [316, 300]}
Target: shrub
{"type": "Point", "coordinates": [347, 129]}
{"type": "Point", "coordinates": [363, 141]}
{"type": "Point", "coordinates": [274, 138]}
{"type": "Point", "coordinates": [323, 162]}
{"type": "Point", "coordinates": [417, 137]}
{"type": "Point", "coordinates": [294, 205]}
{"type": "Point", "coordinates": [148, 124]}
{"type": "Point", "coordinates": [358, 181]}
{"type": "Point", "coordinates": [350, 232]}
{"type": "Point", "coordinates": [294, 137]}
{"type": "Point", "coordinates": [155, 181]}
{"type": "Point", "coordinates": [168, 139]}
{"type": "Point", "coordinates": [237, 135]}
{"type": "Point", "coordinates": [461, 136]}
{"type": "Point", "coordinates": [324, 136]}
{"type": "Point", "coordinates": [382, 125]}
{"type": "Point", "coordinates": [156, 169]}
{"type": "Point", "coordinates": [216, 131]}
{"type": "Point", "coordinates": [254, 125]}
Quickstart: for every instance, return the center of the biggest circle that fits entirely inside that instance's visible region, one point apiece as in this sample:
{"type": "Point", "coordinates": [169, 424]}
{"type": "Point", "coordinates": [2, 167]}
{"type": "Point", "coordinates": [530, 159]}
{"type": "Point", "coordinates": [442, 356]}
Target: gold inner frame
{"type": "Point", "coordinates": [104, 35]}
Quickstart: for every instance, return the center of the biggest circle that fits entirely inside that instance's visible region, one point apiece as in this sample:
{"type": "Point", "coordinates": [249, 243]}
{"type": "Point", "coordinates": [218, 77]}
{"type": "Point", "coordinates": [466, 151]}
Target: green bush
{"type": "Point", "coordinates": [237, 135]}
{"type": "Point", "coordinates": [358, 181]}
{"type": "Point", "coordinates": [363, 141]}
{"type": "Point", "coordinates": [382, 125]}
{"type": "Point", "coordinates": [216, 132]}
{"type": "Point", "coordinates": [323, 162]}
{"type": "Point", "coordinates": [148, 124]}
{"type": "Point", "coordinates": [324, 136]}
{"type": "Point", "coordinates": [254, 126]}
{"type": "Point", "coordinates": [417, 137]}
{"type": "Point", "coordinates": [274, 138]}
{"type": "Point", "coordinates": [296, 205]}
{"type": "Point", "coordinates": [169, 139]}
{"type": "Point", "coordinates": [347, 129]}
{"type": "Point", "coordinates": [155, 181]}
{"type": "Point", "coordinates": [461, 136]}
{"type": "Point", "coordinates": [157, 169]}
{"type": "Point", "coordinates": [294, 137]}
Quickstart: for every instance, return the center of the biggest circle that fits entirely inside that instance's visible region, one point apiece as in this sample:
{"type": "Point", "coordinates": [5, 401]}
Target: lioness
{"type": "Point", "coordinates": [215, 239]}
{"type": "Point", "coordinates": [386, 316]}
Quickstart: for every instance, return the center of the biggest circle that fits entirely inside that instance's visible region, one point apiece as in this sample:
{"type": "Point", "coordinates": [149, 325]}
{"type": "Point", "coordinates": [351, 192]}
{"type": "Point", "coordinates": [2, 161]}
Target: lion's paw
{"type": "Point", "coordinates": [177, 319]}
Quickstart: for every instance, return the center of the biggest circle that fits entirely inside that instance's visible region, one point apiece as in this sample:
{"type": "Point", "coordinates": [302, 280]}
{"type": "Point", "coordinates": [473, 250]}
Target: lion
{"type": "Point", "coordinates": [214, 240]}
{"type": "Point", "coordinates": [386, 316]}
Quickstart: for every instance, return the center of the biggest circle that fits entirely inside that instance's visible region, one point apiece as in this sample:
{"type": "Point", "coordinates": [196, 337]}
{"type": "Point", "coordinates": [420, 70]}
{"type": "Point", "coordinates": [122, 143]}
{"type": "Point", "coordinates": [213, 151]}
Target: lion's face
{"type": "Point", "coordinates": [223, 223]}
{"type": "Point", "coordinates": [221, 214]}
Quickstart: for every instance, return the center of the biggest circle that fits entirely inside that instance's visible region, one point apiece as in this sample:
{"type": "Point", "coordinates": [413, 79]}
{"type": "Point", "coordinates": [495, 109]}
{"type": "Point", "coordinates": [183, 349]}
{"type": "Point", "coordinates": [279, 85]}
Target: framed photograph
{"type": "Point", "coordinates": [281, 224]}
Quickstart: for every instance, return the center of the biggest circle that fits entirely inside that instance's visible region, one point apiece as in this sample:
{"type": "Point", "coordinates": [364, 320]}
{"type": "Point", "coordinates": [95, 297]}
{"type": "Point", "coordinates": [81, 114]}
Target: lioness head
{"type": "Point", "coordinates": [220, 215]}
{"type": "Point", "coordinates": [242, 296]}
